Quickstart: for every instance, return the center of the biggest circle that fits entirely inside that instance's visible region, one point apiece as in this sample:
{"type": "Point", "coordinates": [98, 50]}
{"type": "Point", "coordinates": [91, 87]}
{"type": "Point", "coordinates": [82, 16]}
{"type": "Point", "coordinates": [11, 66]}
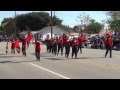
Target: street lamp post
{"type": "Point", "coordinates": [15, 24]}
{"type": "Point", "coordinates": [78, 25]}
{"type": "Point", "coordinates": [51, 25]}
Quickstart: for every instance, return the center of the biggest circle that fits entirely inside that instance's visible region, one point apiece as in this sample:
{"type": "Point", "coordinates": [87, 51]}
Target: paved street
{"type": "Point", "coordinates": [89, 65]}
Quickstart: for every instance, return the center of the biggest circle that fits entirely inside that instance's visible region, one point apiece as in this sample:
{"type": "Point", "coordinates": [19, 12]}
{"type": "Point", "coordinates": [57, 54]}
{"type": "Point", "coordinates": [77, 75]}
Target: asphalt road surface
{"type": "Point", "coordinates": [89, 65]}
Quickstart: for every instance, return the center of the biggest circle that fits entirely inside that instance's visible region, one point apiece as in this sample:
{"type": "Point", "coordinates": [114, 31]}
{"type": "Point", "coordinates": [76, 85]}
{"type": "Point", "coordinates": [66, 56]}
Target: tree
{"type": "Point", "coordinates": [34, 21]}
{"type": "Point", "coordinates": [84, 19]}
{"type": "Point", "coordinates": [114, 20]}
{"type": "Point", "coordinates": [93, 27]}
{"type": "Point", "coordinates": [8, 26]}
{"type": "Point", "coordinates": [115, 25]}
{"type": "Point", "coordinates": [66, 28]}
{"type": "Point", "coordinates": [56, 21]}
{"type": "Point", "coordinates": [76, 29]}
{"type": "Point", "coordinates": [114, 15]}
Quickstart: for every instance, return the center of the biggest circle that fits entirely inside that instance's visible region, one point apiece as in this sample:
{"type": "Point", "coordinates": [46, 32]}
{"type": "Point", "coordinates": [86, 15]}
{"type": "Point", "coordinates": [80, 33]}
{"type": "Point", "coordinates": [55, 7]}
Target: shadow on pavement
{"type": "Point", "coordinates": [2, 54]}
{"type": "Point", "coordinates": [54, 58]}
{"type": "Point", "coordinates": [90, 57]}
{"type": "Point", "coordinates": [32, 53]}
{"type": "Point", "coordinates": [8, 62]}
{"type": "Point", "coordinates": [26, 61]}
{"type": "Point", "coordinates": [9, 56]}
{"type": "Point", "coordinates": [44, 54]}
{"type": "Point", "coordinates": [3, 62]}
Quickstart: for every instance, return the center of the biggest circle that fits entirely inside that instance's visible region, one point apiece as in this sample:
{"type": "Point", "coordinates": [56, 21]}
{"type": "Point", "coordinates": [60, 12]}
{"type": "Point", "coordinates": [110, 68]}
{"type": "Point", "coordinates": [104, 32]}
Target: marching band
{"type": "Point", "coordinates": [57, 45]}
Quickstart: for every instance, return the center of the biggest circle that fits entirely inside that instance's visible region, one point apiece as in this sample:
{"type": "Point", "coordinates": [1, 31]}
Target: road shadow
{"type": "Point", "coordinates": [32, 54]}
{"type": "Point", "coordinates": [44, 54]}
{"type": "Point", "coordinates": [26, 61]}
{"type": "Point", "coordinates": [55, 58]}
{"type": "Point", "coordinates": [3, 62]}
{"type": "Point", "coordinates": [9, 56]}
{"type": "Point", "coordinates": [91, 58]}
{"type": "Point", "coordinates": [2, 54]}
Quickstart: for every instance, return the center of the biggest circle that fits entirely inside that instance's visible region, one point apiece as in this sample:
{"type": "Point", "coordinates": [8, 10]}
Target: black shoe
{"type": "Point", "coordinates": [38, 59]}
{"type": "Point", "coordinates": [105, 56]}
{"type": "Point", "coordinates": [75, 57]}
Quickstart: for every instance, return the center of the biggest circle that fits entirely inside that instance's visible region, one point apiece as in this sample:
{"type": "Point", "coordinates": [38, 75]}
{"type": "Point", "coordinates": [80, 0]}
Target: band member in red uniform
{"type": "Point", "coordinates": [108, 43]}
{"type": "Point", "coordinates": [7, 46]}
{"type": "Point", "coordinates": [55, 45]}
{"type": "Point", "coordinates": [75, 47]}
{"type": "Point", "coordinates": [17, 45]}
{"type": "Point", "coordinates": [24, 42]}
{"type": "Point", "coordinates": [64, 37]}
{"type": "Point", "coordinates": [52, 45]}
{"type": "Point", "coordinates": [80, 39]}
{"type": "Point", "coordinates": [37, 49]}
{"type": "Point", "coordinates": [47, 42]}
{"type": "Point", "coordinates": [50, 48]}
{"type": "Point", "coordinates": [60, 45]}
{"type": "Point", "coordinates": [13, 47]}
{"type": "Point", "coordinates": [67, 48]}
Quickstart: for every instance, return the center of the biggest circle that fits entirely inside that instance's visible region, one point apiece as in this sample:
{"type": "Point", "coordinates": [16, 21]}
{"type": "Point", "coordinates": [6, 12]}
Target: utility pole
{"type": "Point", "coordinates": [51, 25]}
{"type": "Point", "coordinates": [15, 24]}
{"type": "Point", "coordinates": [54, 13]}
{"type": "Point", "coordinates": [78, 26]}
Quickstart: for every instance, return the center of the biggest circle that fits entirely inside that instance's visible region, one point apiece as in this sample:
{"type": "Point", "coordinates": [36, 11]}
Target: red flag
{"type": "Point", "coordinates": [17, 46]}
{"type": "Point", "coordinates": [29, 38]}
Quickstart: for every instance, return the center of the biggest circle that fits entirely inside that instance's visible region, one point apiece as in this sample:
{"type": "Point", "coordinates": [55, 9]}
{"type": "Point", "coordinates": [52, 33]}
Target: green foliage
{"type": "Point", "coordinates": [56, 21]}
{"type": "Point", "coordinates": [93, 27]}
{"type": "Point", "coordinates": [76, 29]}
{"type": "Point", "coordinates": [34, 21]}
{"type": "Point", "coordinates": [115, 15]}
{"type": "Point", "coordinates": [114, 20]}
{"type": "Point", "coordinates": [115, 25]}
{"type": "Point", "coordinates": [66, 28]}
{"type": "Point", "coordinates": [7, 26]}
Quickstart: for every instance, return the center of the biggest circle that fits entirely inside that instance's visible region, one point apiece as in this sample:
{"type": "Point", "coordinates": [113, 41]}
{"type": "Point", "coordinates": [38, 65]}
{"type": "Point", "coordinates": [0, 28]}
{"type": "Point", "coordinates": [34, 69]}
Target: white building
{"type": "Point", "coordinates": [25, 33]}
{"type": "Point", "coordinates": [42, 33]}
{"type": "Point", "coordinates": [72, 35]}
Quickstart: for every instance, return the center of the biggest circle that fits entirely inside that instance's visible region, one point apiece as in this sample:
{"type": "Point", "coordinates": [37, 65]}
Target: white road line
{"type": "Point", "coordinates": [50, 71]}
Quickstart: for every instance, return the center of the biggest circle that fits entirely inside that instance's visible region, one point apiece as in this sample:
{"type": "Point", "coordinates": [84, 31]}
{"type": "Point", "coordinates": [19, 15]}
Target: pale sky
{"type": "Point", "coordinates": [68, 17]}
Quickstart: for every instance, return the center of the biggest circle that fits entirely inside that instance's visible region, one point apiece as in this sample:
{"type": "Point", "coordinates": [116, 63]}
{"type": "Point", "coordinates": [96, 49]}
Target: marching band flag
{"type": "Point", "coordinates": [29, 38]}
{"type": "Point", "coordinates": [17, 46]}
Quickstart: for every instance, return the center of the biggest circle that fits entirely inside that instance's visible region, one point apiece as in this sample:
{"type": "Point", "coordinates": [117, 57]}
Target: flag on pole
{"type": "Point", "coordinates": [29, 38]}
{"type": "Point", "coordinates": [17, 46]}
